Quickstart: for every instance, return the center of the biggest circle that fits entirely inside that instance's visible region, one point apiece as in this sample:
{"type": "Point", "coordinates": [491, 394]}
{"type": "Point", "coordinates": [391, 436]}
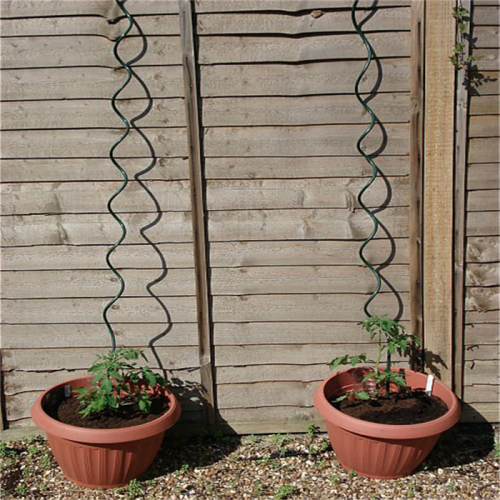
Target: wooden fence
{"type": "Point", "coordinates": [245, 142]}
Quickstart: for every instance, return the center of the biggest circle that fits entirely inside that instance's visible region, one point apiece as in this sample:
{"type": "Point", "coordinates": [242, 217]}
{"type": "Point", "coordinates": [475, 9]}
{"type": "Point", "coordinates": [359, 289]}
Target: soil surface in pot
{"type": "Point", "coordinates": [413, 407]}
{"type": "Point", "coordinates": [66, 411]}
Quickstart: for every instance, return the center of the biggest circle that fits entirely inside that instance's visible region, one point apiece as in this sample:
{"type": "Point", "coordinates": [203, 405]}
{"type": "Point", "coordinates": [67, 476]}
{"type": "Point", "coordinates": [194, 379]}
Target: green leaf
{"type": "Point", "coordinates": [107, 386]}
{"type": "Point", "coordinates": [150, 377]}
{"type": "Point", "coordinates": [368, 377]}
{"type": "Point", "coordinates": [363, 395]}
{"type": "Point", "coordinates": [341, 398]}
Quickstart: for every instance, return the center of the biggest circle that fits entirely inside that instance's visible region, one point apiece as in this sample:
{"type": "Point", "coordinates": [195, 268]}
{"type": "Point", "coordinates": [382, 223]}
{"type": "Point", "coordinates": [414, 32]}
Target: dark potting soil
{"type": "Point", "coordinates": [413, 407]}
{"type": "Point", "coordinates": [128, 416]}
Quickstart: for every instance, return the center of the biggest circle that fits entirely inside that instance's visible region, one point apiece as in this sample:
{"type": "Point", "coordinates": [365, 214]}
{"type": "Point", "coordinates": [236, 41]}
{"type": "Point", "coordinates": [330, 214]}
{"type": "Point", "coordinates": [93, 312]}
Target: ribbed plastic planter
{"type": "Point", "coordinates": [102, 458]}
{"type": "Point", "coordinates": [379, 450]}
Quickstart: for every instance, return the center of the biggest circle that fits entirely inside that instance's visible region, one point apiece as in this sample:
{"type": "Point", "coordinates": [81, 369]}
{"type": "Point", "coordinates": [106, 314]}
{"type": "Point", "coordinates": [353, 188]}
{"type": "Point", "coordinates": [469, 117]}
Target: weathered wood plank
{"type": "Point", "coordinates": [484, 82]}
{"type": "Point", "coordinates": [484, 126]}
{"type": "Point", "coordinates": [482, 274]}
{"type": "Point", "coordinates": [489, 59]}
{"type": "Point", "coordinates": [95, 335]}
{"type": "Point", "coordinates": [284, 5]}
{"type": "Point", "coordinates": [304, 167]}
{"type": "Point", "coordinates": [92, 197]}
{"type": "Point", "coordinates": [482, 352]}
{"type": "Point", "coordinates": [89, 229]}
{"type": "Point", "coordinates": [95, 283]}
{"type": "Point", "coordinates": [483, 224]}
{"type": "Point", "coordinates": [92, 257]}
{"type": "Point", "coordinates": [483, 176]}
{"type": "Point", "coordinates": [151, 25]}
{"type": "Point", "coordinates": [486, 37]}
{"type": "Point", "coordinates": [482, 317]}
{"type": "Point", "coordinates": [82, 114]}
{"type": "Point", "coordinates": [222, 254]}
{"type": "Point", "coordinates": [323, 307]}
{"type": "Point", "coordinates": [172, 357]}
{"type": "Point", "coordinates": [482, 393]}
{"type": "Point", "coordinates": [102, 8]}
{"type": "Point", "coordinates": [97, 169]}
{"type": "Point", "coordinates": [482, 299]}
{"type": "Point", "coordinates": [482, 334]}
{"type": "Point", "coordinates": [335, 140]}
{"type": "Point", "coordinates": [304, 79]}
{"type": "Point", "coordinates": [93, 83]}
{"type": "Point", "coordinates": [302, 224]}
{"type": "Point", "coordinates": [238, 49]}
{"type": "Point", "coordinates": [306, 354]}
{"type": "Point", "coordinates": [486, 249]}
{"type": "Point", "coordinates": [480, 413]}
{"type": "Point", "coordinates": [270, 419]}
{"type": "Point", "coordinates": [481, 372]}
{"type": "Point", "coordinates": [277, 373]}
{"type": "Point", "coordinates": [82, 51]}
{"type": "Point", "coordinates": [486, 15]}
{"type": "Point", "coordinates": [483, 201]}
{"type": "Point", "coordinates": [484, 105]}
{"type": "Point", "coordinates": [75, 143]}
{"type": "Point", "coordinates": [304, 22]}
{"type": "Point", "coordinates": [288, 333]}
{"type": "Point", "coordinates": [228, 111]}
{"type": "Point", "coordinates": [88, 310]}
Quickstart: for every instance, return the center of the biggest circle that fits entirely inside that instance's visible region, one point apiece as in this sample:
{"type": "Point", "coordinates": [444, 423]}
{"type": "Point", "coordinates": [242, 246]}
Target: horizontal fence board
{"type": "Point", "coordinates": [81, 51]}
{"type": "Point", "coordinates": [334, 77]}
{"type": "Point", "coordinates": [180, 282]}
{"type": "Point", "coordinates": [102, 8]}
{"type": "Point", "coordinates": [482, 299]}
{"type": "Point", "coordinates": [96, 335]}
{"type": "Point", "coordinates": [306, 354]}
{"type": "Point", "coordinates": [303, 167]}
{"type": "Point", "coordinates": [82, 114]}
{"type": "Point", "coordinates": [249, 374]}
{"type": "Point", "coordinates": [480, 413]}
{"type": "Point", "coordinates": [481, 372]}
{"type": "Point", "coordinates": [88, 229]}
{"type": "Point", "coordinates": [482, 317]}
{"type": "Point", "coordinates": [486, 37]}
{"type": "Point", "coordinates": [270, 419]}
{"type": "Point", "coordinates": [93, 257]}
{"type": "Point", "coordinates": [93, 83]}
{"type": "Point", "coordinates": [483, 83]}
{"type": "Point", "coordinates": [96, 169]}
{"type": "Point", "coordinates": [304, 22]}
{"type": "Point", "coordinates": [482, 274]}
{"type": "Point", "coordinates": [241, 49]}
{"type": "Point", "coordinates": [483, 176]}
{"type": "Point", "coordinates": [285, 5]}
{"type": "Point", "coordinates": [92, 197]}
{"type": "Point", "coordinates": [483, 224]}
{"type": "Point", "coordinates": [485, 249]}
{"type": "Point", "coordinates": [488, 59]}
{"type": "Point", "coordinates": [483, 201]}
{"type": "Point", "coordinates": [96, 25]}
{"type": "Point", "coordinates": [299, 224]}
{"type": "Point", "coordinates": [225, 111]}
{"type": "Point", "coordinates": [484, 126]}
{"type": "Point", "coordinates": [75, 143]}
{"type": "Point", "coordinates": [486, 15]}
{"type": "Point", "coordinates": [96, 283]}
{"type": "Point", "coordinates": [483, 150]}
{"type": "Point", "coordinates": [323, 307]}
{"type": "Point", "coordinates": [303, 224]}
{"type": "Point", "coordinates": [88, 310]}
{"type": "Point", "coordinates": [482, 352]}
{"type": "Point", "coordinates": [280, 334]}
{"type": "Point", "coordinates": [484, 105]}
{"type": "Point", "coordinates": [323, 140]}
{"type": "Point", "coordinates": [482, 334]}
{"type": "Point", "coordinates": [481, 393]}
{"type": "Point", "coordinates": [222, 254]}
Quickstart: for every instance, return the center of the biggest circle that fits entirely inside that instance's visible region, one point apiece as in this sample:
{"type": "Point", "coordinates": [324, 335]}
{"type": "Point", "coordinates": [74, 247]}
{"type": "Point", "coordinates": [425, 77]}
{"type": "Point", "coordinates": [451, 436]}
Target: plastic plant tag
{"type": "Point", "coordinates": [429, 384]}
{"type": "Point", "coordinates": [67, 391]}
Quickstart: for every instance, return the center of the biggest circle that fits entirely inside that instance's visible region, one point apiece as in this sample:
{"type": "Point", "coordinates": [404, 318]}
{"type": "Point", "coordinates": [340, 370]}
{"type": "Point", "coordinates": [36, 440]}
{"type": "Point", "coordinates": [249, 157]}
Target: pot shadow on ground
{"type": "Point", "coordinates": [188, 392]}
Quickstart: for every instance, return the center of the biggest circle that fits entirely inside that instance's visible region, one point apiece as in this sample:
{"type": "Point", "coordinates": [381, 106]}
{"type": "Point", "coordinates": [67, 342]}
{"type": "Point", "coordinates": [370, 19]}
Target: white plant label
{"type": "Point", "coordinates": [67, 391]}
{"type": "Point", "coordinates": [429, 384]}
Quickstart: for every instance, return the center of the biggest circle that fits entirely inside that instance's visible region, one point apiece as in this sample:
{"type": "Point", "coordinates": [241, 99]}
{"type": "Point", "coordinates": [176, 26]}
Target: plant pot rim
{"type": "Point", "coordinates": [387, 431]}
{"type": "Point", "coordinates": [102, 436]}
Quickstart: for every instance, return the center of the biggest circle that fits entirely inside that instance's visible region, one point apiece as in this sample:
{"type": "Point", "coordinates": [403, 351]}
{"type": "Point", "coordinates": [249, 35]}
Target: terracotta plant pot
{"type": "Point", "coordinates": [101, 458]}
{"type": "Point", "coordinates": [379, 450]}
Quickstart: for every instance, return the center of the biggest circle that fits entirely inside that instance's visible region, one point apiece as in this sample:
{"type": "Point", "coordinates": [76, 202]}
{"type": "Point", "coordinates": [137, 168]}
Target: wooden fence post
{"type": "Point", "coordinates": [197, 209]}
{"type": "Point", "coordinates": [438, 187]}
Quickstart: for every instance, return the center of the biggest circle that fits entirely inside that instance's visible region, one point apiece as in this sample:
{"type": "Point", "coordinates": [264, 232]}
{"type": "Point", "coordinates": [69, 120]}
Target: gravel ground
{"type": "Point", "coordinates": [464, 465]}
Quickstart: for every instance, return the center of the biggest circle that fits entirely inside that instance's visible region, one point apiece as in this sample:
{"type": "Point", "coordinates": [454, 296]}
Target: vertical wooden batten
{"type": "Point", "coordinates": [438, 187]}
{"type": "Point", "coordinates": [191, 99]}
{"type": "Point", "coordinates": [459, 216]}
{"type": "Point", "coordinates": [416, 157]}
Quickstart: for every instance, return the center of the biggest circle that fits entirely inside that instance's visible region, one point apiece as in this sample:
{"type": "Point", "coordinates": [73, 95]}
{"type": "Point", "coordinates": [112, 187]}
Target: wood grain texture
{"type": "Point", "coordinates": [482, 393]}
{"type": "Point", "coordinates": [481, 372]}
{"type": "Point", "coordinates": [487, 37]}
{"type": "Point", "coordinates": [438, 184]}
{"type": "Point", "coordinates": [484, 126]}
{"type": "Point", "coordinates": [483, 176]}
{"type": "Point", "coordinates": [483, 249]}
{"type": "Point", "coordinates": [482, 352]}
{"type": "Point", "coordinates": [483, 105]}
{"type": "Point", "coordinates": [483, 274]}
{"type": "Point", "coordinates": [484, 150]}
{"type": "Point", "coordinates": [483, 201]}
{"type": "Point", "coordinates": [482, 334]}
{"type": "Point", "coordinates": [483, 224]}
{"type": "Point", "coordinates": [486, 15]}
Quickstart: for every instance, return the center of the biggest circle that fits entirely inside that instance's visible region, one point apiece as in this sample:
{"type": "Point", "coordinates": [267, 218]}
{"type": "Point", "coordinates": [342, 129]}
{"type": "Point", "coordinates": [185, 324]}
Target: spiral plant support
{"type": "Point", "coordinates": [122, 172]}
{"type": "Point", "coordinates": [373, 121]}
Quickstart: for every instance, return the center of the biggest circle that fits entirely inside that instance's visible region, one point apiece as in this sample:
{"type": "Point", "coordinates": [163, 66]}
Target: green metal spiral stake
{"type": "Point", "coordinates": [373, 121]}
{"type": "Point", "coordinates": [122, 172]}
